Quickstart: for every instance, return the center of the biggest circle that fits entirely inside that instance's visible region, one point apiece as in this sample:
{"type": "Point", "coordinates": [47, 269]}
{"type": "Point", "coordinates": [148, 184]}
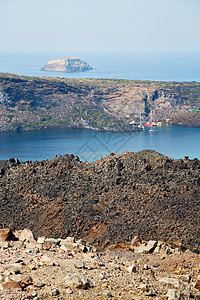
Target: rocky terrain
{"type": "Point", "coordinates": [67, 64]}
{"type": "Point", "coordinates": [49, 268]}
{"type": "Point", "coordinates": [189, 119]}
{"type": "Point", "coordinates": [98, 104]}
{"type": "Point", "coordinates": [105, 202]}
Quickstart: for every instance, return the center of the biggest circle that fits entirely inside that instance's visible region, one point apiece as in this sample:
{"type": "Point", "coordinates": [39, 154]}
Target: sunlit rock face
{"type": "Point", "coordinates": [67, 64]}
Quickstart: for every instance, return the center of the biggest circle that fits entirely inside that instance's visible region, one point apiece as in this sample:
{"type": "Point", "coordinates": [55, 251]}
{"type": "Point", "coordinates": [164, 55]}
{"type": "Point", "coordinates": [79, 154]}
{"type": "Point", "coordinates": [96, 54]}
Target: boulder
{"type": "Point", "coordinates": [25, 281]}
{"type": "Point", "coordinates": [6, 235]}
{"type": "Point", "coordinates": [80, 265]}
{"type": "Point", "coordinates": [11, 285]}
{"type": "Point", "coordinates": [26, 235]}
{"type": "Point", "coordinates": [136, 240]}
{"type": "Point", "coordinates": [99, 261]}
{"type": "Point", "coordinates": [38, 283]}
{"type": "Point", "coordinates": [55, 292]}
{"type": "Point", "coordinates": [32, 251]}
{"type": "Point", "coordinates": [146, 247]}
{"type": "Point", "coordinates": [46, 260]}
{"type": "Point", "coordinates": [55, 242]}
{"type": "Point", "coordinates": [177, 283]}
{"type": "Point", "coordinates": [131, 269]}
{"type": "Point", "coordinates": [174, 295]}
{"type": "Point", "coordinates": [18, 244]}
{"type": "Point", "coordinates": [41, 240]}
{"type": "Point", "coordinates": [17, 278]}
{"type": "Point", "coordinates": [197, 285]}
{"type": "Point", "coordinates": [75, 281]}
{"type": "Point", "coordinates": [12, 269]}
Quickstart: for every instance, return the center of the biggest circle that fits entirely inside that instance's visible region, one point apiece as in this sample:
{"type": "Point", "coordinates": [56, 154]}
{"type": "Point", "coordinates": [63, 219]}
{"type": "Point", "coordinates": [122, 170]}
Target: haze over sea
{"type": "Point", "coordinates": [135, 66]}
{"type": "Point", "coordinates": [172, 141]}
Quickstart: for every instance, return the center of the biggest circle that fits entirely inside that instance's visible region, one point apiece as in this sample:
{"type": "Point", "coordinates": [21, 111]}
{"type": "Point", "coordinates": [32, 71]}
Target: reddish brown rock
{"type": "Point", "coordinates": [11, 285]}
{"type": "Point", "coordinates": [26, 281]}
{"type": "Point", "coordinates": [47, 246]}
{"type": "Point", "coordinates": [197, 285]}
{"type": "Point", "coordinates": [6, 235]}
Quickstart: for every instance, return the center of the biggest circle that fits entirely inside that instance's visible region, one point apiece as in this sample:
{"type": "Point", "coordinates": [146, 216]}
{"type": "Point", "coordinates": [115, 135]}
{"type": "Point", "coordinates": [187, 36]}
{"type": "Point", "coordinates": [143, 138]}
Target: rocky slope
{"type": "Point", "coordinates": [67, 64]}
{"type": "Point", "coordinates": [110, 105]}
{"type": "Point", "coordinates": [189, 119]}
{"type": "Point", "coordinates": [107, 201]}
{"type": "Point", "coordinates": [48, 268]}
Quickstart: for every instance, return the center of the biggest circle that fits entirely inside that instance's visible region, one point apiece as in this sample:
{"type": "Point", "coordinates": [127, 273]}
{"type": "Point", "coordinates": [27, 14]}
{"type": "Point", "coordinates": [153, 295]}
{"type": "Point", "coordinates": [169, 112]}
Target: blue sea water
{"type": "Point", "coordinates": [136, 66]}
{"type": "Point", "coordinates": [175, 142]}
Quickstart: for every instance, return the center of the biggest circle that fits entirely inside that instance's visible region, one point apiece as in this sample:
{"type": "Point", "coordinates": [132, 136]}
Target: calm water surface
{"type": "Point", "coordinates": [175, 142]}
{"type": "Point", "coordinates": [138, 66]}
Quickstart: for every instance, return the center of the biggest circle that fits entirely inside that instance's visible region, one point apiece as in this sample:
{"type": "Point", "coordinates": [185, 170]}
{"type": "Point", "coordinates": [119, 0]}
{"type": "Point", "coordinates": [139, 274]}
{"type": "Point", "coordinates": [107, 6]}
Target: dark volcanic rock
{"type": "Point", "coordinates": [115, 198]}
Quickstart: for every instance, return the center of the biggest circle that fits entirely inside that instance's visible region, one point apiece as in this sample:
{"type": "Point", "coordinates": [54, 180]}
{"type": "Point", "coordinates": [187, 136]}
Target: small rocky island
{"type": "Point", "coordinates": [67, 64]}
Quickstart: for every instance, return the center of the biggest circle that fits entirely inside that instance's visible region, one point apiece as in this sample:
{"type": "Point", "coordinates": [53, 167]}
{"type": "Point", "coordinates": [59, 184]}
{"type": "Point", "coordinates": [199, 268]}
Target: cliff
{"type": "Point", "coordinates": [67, 64]}
{"type": "Point", "coordinates": [98, 104]}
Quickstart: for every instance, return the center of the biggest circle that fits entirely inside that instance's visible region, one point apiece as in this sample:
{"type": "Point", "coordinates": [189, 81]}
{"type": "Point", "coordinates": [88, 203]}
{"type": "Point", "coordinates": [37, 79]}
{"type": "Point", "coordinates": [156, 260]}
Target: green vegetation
{"type": "Point", "coordinates": [32, 109]}
{"type": "Point", "coordinates": [33, 124]}
{"type": "Point", "coordinates": [18, 124]}
{"type": "Point", "coordinates": [98, 118]}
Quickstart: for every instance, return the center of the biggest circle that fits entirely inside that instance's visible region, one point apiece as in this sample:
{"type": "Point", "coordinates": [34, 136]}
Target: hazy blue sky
{"type": "Point", "coordinates": [100, 25]}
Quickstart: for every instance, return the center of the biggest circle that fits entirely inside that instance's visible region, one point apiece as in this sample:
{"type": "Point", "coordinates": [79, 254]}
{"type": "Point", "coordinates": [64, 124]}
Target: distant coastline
{"type": "Point", "coordinates": [114, 105]}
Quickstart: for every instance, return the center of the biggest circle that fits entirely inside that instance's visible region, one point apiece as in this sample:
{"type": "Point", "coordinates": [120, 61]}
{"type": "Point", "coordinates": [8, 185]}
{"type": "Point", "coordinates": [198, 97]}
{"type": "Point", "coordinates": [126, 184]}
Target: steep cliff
{"type": "Point", "coordinates": [99, 104]}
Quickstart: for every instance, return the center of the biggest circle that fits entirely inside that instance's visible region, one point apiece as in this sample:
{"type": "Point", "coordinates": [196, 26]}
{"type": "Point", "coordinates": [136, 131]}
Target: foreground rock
{"type": "Point", "coordinates": [67, 64]}
{"type": "Point", "coordinates": [6, 235]}
{"type": "Point", "coordinates": [169, 273]}
{"type": "Point", "coordinates": [66, 271]}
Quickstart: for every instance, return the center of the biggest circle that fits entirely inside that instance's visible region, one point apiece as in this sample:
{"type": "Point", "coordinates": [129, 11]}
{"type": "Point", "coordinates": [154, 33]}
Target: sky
{"type": "Point", "coordinates": [100, 25]}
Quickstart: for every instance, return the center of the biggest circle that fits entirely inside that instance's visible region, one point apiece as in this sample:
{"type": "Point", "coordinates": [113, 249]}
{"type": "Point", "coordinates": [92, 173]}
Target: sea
{"type": "Point", "coordinates": [173, 141]}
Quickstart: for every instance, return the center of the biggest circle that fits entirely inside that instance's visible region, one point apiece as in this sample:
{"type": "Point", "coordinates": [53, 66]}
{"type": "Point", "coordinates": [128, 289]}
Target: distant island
{"type": "Point", "coordinates": [67, 64]}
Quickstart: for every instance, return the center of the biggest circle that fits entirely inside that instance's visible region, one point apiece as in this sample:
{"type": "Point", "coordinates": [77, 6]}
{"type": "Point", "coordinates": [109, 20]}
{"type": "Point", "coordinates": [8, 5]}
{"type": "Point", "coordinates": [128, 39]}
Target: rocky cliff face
{"type": "Point", "coordinates": [99, 104]}
{"type": "Point", "coordinates": [67, 64]}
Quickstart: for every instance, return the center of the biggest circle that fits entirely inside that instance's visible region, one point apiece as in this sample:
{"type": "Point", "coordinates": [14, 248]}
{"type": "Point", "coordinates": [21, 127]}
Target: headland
{"type": "Point", "coordinates": [107, 105]}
